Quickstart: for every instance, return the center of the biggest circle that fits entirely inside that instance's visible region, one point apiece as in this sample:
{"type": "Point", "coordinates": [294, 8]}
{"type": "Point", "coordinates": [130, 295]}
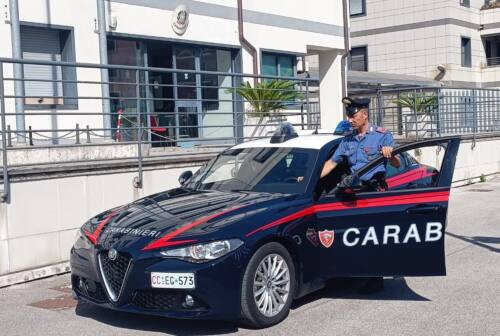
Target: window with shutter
{"type": "Point", "coordinates": [44, 84]}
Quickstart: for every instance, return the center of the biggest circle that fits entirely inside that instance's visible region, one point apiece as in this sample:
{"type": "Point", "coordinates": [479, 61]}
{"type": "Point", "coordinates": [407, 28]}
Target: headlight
{"type": "Point", "coordinates": [81, 241]}
{"type": "Point", "coordinates": [204, 252]}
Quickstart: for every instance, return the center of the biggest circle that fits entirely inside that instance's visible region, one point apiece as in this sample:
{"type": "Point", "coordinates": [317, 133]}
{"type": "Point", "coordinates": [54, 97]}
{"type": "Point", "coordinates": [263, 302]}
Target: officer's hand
{"type": "Point", "coordinates": [386, 152]}
{"type": "Point", "coordinates": [300, 178]}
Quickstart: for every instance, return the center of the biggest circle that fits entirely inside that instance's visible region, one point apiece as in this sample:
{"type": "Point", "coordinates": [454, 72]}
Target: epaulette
{"type": "Point", "coordinates": [381, 130]}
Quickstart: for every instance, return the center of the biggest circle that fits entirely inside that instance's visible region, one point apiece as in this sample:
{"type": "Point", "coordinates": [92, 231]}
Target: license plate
{"type": "Point", "coordinates": [172, 280]}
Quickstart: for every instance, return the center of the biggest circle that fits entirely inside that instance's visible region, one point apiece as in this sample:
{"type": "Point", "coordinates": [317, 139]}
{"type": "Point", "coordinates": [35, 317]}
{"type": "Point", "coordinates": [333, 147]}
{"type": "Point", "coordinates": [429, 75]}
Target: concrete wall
{"type": "Point", "coordinates": [38, 227]}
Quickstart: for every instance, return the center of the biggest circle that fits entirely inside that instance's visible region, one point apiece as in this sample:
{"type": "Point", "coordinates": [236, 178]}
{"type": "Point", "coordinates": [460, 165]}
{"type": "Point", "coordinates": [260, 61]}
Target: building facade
{"type": "Point", "coordinates": [456, 42]}
{"type": "Point", "coordinates": [200, 35]}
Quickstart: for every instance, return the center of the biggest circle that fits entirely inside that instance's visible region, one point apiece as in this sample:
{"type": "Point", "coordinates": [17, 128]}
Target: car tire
{"type": "Point", "coordinates": [275, 287]}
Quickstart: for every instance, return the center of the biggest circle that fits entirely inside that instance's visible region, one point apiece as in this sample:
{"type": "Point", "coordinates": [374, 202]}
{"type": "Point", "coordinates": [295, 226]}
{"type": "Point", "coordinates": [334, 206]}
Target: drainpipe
{"type": "Point", "coordinates": [15, 33]}
{"type": "Point", "coordinates": [103, 55]}
{"type": "Point", "coordinates": [347, 47]}
{"type": "Point", "coordinates": [244, 42]}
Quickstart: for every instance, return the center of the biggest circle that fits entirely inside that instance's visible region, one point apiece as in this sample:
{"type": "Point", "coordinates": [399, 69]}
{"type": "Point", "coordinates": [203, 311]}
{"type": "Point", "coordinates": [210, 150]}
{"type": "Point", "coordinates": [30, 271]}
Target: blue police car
{"type": "Point", "coordinates": [256, 228]}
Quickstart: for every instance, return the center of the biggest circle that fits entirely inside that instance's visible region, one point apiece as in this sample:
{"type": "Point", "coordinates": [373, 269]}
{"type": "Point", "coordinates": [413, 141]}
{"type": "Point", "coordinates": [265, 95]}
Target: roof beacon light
{"type": "Point", "coordinates": [343, 128]}
{"type": "Point", "coordinates": [284, 132]}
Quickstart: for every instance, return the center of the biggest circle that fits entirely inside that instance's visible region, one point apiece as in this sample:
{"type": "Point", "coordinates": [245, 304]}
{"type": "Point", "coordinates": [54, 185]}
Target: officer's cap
{"type": "Point", "coordinates": [354, 105]}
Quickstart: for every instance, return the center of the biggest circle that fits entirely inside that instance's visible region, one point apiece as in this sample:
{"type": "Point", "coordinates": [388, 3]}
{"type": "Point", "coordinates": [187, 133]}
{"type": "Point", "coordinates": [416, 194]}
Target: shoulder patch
{"type": "Point", "coordinates": [381, 130]}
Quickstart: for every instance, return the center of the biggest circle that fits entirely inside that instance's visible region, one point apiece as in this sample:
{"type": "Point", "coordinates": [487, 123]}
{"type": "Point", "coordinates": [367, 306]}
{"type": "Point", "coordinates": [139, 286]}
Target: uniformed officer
{"type": "Point", "coordinates": [363, 144]}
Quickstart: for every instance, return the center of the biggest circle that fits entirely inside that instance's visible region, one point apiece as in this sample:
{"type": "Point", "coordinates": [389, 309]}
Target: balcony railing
{"type": "Point", "coordinates": [493, 61]}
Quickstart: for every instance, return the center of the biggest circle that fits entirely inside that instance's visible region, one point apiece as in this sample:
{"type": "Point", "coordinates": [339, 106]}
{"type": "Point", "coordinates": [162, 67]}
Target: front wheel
{"type": "Point", "coordinates": [268, 286]}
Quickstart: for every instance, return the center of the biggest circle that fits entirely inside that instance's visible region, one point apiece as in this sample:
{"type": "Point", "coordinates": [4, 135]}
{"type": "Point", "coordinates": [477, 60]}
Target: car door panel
{"type": "Point", "coordinates": [397, 232]}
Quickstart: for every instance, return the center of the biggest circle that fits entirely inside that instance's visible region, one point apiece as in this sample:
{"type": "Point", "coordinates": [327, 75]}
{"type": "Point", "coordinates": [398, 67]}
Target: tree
{"type": "Point", "coordinates": [420, 103]}
{"type": "Point", "coordinates": [268, 97]}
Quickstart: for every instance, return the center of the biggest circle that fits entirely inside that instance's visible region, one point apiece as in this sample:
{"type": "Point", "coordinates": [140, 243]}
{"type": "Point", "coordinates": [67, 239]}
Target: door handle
{"type": "Point", "coordinates": [423, 209]}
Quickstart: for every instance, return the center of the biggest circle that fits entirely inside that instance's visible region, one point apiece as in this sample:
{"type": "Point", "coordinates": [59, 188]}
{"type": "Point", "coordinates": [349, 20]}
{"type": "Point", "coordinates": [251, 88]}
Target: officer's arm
{"type": "Point", "coordinates": [328, 167]}
{"type": "Point", "coordinates": [387, 146]}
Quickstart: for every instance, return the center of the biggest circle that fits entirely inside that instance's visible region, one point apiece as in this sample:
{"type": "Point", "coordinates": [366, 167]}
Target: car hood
{"type": "Point", "coordinates": [169, 217]}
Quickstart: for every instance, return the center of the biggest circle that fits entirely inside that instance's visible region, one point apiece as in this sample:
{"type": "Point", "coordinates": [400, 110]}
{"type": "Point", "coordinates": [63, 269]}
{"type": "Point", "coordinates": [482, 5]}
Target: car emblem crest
{"type": "Point", "coordinates": [112, 254]}
{"type": "Point", "coordinates": [326, 237]}
{"type": "Point", "coordinates": [312, 236]}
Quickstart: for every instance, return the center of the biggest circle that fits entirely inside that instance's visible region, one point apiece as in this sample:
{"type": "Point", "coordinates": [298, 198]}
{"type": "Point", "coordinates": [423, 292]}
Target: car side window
{"type": "Point", "coordinates": [413, 169]}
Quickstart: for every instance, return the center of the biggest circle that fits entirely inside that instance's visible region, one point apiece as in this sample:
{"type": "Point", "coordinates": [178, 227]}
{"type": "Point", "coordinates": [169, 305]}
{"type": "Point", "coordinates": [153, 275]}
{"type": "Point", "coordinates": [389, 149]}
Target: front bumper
{"type": "Point", "coordinates": [216, 296]}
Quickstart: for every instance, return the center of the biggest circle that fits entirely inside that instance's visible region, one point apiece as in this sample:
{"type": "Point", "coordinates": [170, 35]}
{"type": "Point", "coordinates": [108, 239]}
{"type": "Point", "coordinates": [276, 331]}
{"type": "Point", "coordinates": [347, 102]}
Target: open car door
{"type": "Point", "coordinates": [394, 229]}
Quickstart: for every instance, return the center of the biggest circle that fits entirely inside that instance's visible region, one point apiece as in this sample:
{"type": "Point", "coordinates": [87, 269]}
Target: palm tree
{"type": "Point", "coordinates": [268, 97]}
{"type": "Point", "coordinates": [420, 103]}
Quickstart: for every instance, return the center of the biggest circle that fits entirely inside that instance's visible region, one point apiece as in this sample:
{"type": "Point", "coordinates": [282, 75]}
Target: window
{"type": "Point", "coordinates": [492, 50]}
{"type": "Point", "coordinates": [357, 7]}
{"type": "Point", "coordinates": [273, 170]}
{"type": "Point", "coordinates": [466, 52]}
{"type": "Point", "coordinates": [358, 59]}
{"type": "Point", "coordinates": [418, 168]}
{"type": "Point", "coordinates": [278, 65]}
{"type": "Point", "coordinates": [465, 3]}
{"type": "Point", "coordinates": [48, 44]}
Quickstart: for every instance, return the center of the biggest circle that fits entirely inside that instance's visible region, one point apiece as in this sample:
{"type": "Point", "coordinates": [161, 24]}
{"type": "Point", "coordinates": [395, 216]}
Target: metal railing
{"type": "Point", "coordinates": [493, 61]}
{"type": "Point", "coordinates": [430, 112]}
{"type": "Point", "coordinates": [155, 112]}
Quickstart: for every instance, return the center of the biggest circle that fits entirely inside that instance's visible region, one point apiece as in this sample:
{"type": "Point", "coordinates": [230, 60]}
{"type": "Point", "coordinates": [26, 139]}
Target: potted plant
{"type": "Point", "coordinates": [420, 105]}
{"type": "Point", "coordinates": [266, 99]}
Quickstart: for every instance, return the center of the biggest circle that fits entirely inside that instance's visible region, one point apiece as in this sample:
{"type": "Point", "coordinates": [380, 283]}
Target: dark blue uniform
{"type": "Point", "coordinates": [359, 151]}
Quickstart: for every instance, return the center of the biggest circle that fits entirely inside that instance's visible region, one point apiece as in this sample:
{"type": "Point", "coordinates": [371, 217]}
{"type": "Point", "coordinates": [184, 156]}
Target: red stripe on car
{"type": "Point", "coordinates": [166, 240]}
{"type": "Point", "coordinates": [440, 196]}
{"type": "Point", "coordinates": [410, 176]}
{"type": "Point", "coordinates": [93, 236]}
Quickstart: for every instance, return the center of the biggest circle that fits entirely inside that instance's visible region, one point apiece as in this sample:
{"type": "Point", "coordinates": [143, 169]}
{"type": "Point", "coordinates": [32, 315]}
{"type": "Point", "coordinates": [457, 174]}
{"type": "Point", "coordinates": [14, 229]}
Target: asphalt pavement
{"type": "Point", "coordinates": [465, 302]}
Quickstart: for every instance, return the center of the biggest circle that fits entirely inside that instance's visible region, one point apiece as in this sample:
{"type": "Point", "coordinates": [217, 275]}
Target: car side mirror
{"type": "Point", "coordinates": [185, 176]}
{"type": "Point", "coordinates": [349, 184]}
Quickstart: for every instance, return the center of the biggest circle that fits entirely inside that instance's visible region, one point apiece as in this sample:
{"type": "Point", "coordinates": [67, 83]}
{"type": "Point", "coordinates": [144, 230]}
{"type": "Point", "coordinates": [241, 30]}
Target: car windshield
{"type": "Point", "coordinates": [273, 170]}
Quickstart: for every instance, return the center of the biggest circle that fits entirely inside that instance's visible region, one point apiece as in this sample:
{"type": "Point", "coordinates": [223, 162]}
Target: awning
{"type": "Point", "coordinates": [371, 81]}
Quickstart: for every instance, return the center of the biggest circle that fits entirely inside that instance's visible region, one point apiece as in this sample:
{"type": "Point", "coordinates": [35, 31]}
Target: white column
{"type": "Point", "coordinates": [330, 85]}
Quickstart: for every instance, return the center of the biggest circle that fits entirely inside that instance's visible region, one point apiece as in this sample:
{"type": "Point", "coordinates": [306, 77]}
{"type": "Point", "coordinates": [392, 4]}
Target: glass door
{"type": "Point", "coordinates": [187, 94]}
{"type": "Point", "coordinates": [124, 88]}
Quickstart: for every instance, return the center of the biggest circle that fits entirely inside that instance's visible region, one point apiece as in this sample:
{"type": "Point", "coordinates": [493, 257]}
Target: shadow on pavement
{"type": "Point", "coordinates": [479, 241]}
{"type": "Point", "coordinates": [154, 323]}
{"type": "Point", "coordinates": [346, 288]}
{"type": "Point", "coordinates": [395, 289]}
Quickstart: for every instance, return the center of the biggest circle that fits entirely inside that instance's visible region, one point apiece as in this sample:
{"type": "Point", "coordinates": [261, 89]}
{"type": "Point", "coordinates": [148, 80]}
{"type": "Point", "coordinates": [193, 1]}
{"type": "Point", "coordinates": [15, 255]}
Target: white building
{"type": "Point", "coordinates": [141, 33]}
{"type": "Point", "coordinates": [454, 41]}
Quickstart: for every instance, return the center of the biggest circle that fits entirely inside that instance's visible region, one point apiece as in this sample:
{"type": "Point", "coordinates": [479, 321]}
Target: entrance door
{"type": "Point", "coordinates": [398, 229]}
{"type": "Point", "coordinates": [187, 93]}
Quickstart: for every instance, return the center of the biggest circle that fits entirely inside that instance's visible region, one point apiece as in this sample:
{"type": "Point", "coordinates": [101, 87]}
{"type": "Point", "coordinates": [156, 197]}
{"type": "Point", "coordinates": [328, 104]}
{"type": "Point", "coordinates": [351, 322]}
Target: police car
{"type": "Point", "coordinates": [256, 228]}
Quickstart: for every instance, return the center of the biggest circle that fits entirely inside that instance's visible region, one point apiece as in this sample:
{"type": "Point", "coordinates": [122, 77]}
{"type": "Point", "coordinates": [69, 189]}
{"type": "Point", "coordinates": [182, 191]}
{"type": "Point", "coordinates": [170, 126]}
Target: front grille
{"type": "Point", "coordinates": [88, 288]}
{"type": "Point", "coordinates": [114, 272]}
{"type": "Point", "coordinates": [158, 300]}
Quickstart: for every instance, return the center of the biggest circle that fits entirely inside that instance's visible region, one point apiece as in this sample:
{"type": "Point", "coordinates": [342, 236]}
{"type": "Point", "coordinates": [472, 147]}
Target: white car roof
{"type": "Point", "coordinates": [313, 141]}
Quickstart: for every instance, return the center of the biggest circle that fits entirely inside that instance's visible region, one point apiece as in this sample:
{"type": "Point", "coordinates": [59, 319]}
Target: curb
{"type": "Point", "coordinates": [35, 274]}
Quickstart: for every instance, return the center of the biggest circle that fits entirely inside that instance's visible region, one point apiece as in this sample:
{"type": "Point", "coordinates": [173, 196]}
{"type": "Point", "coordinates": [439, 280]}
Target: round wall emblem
{"type": "Point", "coordinates": [112, 254]}
{"type": "Point", "coordinates": [180, 19]}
